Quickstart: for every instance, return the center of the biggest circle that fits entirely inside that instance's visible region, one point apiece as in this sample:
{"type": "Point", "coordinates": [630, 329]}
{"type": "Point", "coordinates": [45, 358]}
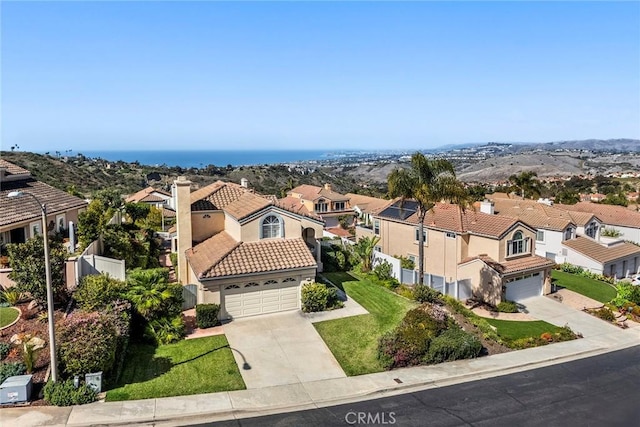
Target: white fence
{"type": "Point", "coordinates": [396, 267]}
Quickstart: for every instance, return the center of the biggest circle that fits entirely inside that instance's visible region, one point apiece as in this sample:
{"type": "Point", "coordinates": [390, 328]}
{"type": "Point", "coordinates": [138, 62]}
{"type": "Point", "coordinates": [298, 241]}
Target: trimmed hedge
{"type": "Point", "coordinates": [98, 291]}
{"type": "Point", "coordinates": [207, 315]}
{"type": "Point", "coordinates": [507, 307]}
{"type": "Point", "coordinates": [319, 297]}
{"type": "Point", "coordinates": [579, 271]}
{"type": "Point", "coordinates": [63, 393]}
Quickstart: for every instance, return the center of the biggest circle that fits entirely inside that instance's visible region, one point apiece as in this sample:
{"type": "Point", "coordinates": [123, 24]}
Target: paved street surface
{"type": "Point", "coordinates": [596, 391]}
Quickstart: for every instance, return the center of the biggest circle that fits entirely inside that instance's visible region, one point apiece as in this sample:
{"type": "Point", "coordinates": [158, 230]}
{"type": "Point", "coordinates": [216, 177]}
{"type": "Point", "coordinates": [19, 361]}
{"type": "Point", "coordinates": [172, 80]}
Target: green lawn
{"type": "Point", "coordinates": [203, 365]}
{"type": "Point", "coordinates": [8, 315]}
{"type": "Point", "coordinates": [512, 330]}
{"type": "Point", "coordinates": [594, 289]}
{"type": "Point", "coordinates": [354, 340]}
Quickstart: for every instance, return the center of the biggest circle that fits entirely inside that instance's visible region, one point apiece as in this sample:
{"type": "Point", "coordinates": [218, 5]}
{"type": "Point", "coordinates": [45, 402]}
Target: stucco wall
{"type": "Point", "coordinates": [485, 282]}
{"type": "Point", "coordinates": [292, 226]}
{"type": "Point", "coordinates": [203, 227]}
{"type": "Point", "coordinates": [483, 245]}
{"type": "Point", "coordinates": [526, 233]}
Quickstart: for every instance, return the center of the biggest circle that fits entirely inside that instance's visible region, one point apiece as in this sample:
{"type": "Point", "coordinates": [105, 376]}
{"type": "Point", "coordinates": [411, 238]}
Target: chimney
{"type": "Point", "coordinates": [487, 207]}
{"type": "Point", "coordinates": [183, 224]}
{"type": "Point", "coordinates": [3, 172]}
{"type": "Point", "coordinates": [327, 187]}
{"type": "Point", "coordinates": [244, 182]}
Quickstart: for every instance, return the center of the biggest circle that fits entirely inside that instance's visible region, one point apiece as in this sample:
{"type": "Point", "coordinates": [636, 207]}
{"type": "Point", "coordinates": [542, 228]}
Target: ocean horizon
{"type": "Point", "coordinates": [203, 158]}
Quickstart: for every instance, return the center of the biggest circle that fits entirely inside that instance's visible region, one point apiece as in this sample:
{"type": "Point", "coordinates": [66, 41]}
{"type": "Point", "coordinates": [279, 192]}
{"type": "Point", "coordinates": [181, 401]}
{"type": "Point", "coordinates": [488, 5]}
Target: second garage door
{"type": "Point", "coordinates": [524, 287]}
{"type": "Point", "coordinates": [250, 299]}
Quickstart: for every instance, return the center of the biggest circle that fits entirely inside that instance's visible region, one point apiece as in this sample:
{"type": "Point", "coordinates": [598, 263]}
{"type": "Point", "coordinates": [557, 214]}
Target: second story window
{"type": "Point", "coordinates": [271, 227]}
{"type": "Point", "coordinates": [568, 233]}
{"type": "Point", "coordinates": [540, 236]}
{"type": "Point", "coordinates": [321, 206]}
{"type": "Point", "coordinates": [376, 226]}
{"type": "Point", "coordinates": [338, 206]}
{"type": "Point", "coordinates": [424, 236]}
{"type": "Point", "coordinates": [591, 230]}
{"type": "Point", "coordinates": [518, 244]}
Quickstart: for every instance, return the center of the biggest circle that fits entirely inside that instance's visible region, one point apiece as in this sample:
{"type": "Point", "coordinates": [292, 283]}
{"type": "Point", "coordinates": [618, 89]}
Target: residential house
{"type": "Point", "coordinates": [466, 252]}
{"type": "Point", "coordinates": [624, 221]}
{"type": "Point", "coordinates": [570, 236]}
{"type": "Point", "coordinates": [366, 207]}
{"type": "Point", "coordinates": [157, 198]}
{"type": "Point", "coordinates": [329, 205]}
{"type": "Point", "coordinates": [21, 217]}
{"type": "Point", "coordinates": [242, 250]}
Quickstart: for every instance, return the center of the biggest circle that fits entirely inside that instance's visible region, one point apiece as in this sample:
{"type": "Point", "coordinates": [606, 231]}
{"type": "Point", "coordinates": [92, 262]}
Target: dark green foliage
{"type": "Point", "coordinates": [605, 313]}
{"type": "Point", "coordinates": [97, 292]}
{"type": "Point", "coordinates": [338, 258]}
{"type": "Point", "coordinates": [423, 293]}
{"type": "Point", "coordinates": [87, 342]}
{"type": "Point", "coordinates": [63, 393]}
{"type": "Point", "coordinates": [507, 307]}
{"type": "Point", "coordinates": [383, 270]}
{"type": "Point", "coordinates": [453, 344]}
{"type": "Point", "coordinates": [405, 262]}
{"type": "Point", "coordinates": [487, 331]}
{"type": "Point", "coordinates": [137, 211]}
{"type": "Point", "coordinates": [111, 198]}
{"type": "Point", "coordinates": [314, 297]}
{"type": "Point", "coordinates": [120, 313]}
{"type": "Point", "coordinates": [11, 369]}
{"type": "Point", "coordinates": [207, 315]}
{"type": "Point", "coordinates": [27, 262]}
{"type": "Point", "coordinates": [92, 221]}
{"type": "Point", "coordinates": [165, 330]}
{"type": "Point", "coordinates": [4, 350]}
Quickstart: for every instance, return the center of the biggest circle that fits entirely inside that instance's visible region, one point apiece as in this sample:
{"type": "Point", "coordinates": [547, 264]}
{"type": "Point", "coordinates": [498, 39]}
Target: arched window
{"type": "Point", "coordinates": [232, 287]}
{"type": "Point", "coordinates": [271, 227]}
{"type": "Point", "coordinates": [251, 285]}
{"type": "Point", "coordinates": [289, 279]}
{"type": "Point", "coordinates": [518, 244]}
{"type": "Point", "coordinates": [270, 282]}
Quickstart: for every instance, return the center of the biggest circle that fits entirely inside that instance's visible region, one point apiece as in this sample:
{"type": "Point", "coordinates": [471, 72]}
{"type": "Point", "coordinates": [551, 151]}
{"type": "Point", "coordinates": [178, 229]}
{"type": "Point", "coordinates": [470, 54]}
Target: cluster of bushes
{"type": "Point", "coordinates": [423, 293]}
{"type": "Point", "coordinates": [426, 335]}
{"type": "Point", "coordinates": [319, 297]}
{"type": "Point", "coordinates": [207, 315]}
{"type": "Point", "coordinates": [338, 258]}
{"type": "Point", "coordinates": [605, 313]}
{"type": "Point", "coordinates": [565, 334]}
{"type": "Point", "coordinates": [10, 297]}
{"type": "Point", "coordinates": [626, 293]}
{"type": "Point", "coordinates": [488, 332]}
{"type": "Point", "coordinates": [579, 271]}
{"type": "Point", "coordinates": [11, 369]}
{"type": "Point", "coordinates": [5, 347]}
{"type": "Point", "coordinates": [64, 393]}
{"type": "Point", "coordinates": [507, 307]}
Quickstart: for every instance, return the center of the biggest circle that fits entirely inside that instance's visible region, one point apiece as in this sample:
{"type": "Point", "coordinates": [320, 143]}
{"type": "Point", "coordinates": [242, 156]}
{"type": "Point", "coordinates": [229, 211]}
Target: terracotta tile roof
{"type": "Point", "coordinates": [532, 262]}
{"type": "Point", "coordinates": [11, 169]}
{"type": "Point", "coordinates": [18, 209]}
{"type": "Point", "coordinates": [592, 249]}
{"type": "Point", "coordinates": [608, 214]}
{"type": "Point", "coordinates": [247, 204]}
{"type": "Point", "coordinates": [293, 204]}
{"type": "Point", "coordinates": [365, 203]}
{"type": "Point", "coordinates": [216, 196]}
{"type": "Point", "coordinates": [146, 195]}
{"type": "Point", "coordinates": [538, 215]}
{"type": "Point", "coordinates": [312, 192]}
{"type": "Point", "coordinates": [339, 231]}
{"type": "Point", "coordinates": [221, 256]}
{"type": "Point", "coordinates": [450, 217]}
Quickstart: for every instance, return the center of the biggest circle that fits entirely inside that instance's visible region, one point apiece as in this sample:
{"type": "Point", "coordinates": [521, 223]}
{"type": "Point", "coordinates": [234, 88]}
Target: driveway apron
{"type": "Point", "coordinates": [277, 349]}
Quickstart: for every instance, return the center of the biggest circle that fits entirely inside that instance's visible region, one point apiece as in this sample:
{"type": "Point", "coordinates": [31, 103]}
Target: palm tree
{"type": "Point", "coordinates": [526, 183]}
{"type": "Point", "coordinates": [427, 182]}
{"type": "Point", "coordinates": [364, 248]}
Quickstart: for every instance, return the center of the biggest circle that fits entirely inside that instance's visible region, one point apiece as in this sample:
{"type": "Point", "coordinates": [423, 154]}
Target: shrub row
{"type": "Point", "coordinates": [626, 292]}
{"type": "Point", "coordinates": [488, 332]}
{"type": "Point", "coordinates": [63, 393]}
{"type": "Point", "coordinates": [579, 271]}
{"type": "Point", "coordinates": [207, 315]}
{"type": "Point", "coordinates": [565, 334]}
{"type": "Point", "coordinates": [507, 307]}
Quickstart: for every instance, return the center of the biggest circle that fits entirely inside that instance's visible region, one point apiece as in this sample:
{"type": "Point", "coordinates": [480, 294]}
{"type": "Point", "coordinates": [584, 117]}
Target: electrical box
{"type": "Point", "coordinates": [16, 389]}
{"type": "Point", "coordinates": [94, 381]}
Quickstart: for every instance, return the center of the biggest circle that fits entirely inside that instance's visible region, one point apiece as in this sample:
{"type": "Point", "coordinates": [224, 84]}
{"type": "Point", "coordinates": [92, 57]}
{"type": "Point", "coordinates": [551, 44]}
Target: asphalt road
{"type": "Point", "coordinates": [598, 391]}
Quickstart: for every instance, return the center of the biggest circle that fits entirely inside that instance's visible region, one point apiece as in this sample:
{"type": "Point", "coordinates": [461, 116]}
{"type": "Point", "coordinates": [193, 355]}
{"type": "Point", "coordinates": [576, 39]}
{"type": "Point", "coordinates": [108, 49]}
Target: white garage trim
{"type": "Point", "coordinates": [522, 287]}
{"type": "Point", "coordinates": [253, 298]}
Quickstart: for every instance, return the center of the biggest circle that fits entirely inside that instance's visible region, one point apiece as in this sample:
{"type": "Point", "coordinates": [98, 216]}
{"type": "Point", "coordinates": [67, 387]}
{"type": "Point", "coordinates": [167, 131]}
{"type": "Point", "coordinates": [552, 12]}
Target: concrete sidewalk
{"type": "Point", "coordinates": [317, 394]}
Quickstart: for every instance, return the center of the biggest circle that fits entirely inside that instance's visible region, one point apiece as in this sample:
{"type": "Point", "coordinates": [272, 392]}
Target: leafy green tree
{"type": "Point", "coordinates": [427, 182]}
{"type": "Point", "coordinates": [91, 222]}
{"type": "Point", "coordinates": [137, 211]}
{"type": "Point", "coordinates": [110, 197]}
{"type": "Point", "coordinates": [567, 197]}
{"type": "Point", "coordinates": [364, 248]}
{"type": "Point", "coordinates": [28, 268]}
{"type": "Point", "coordinates": [619, 199]}
{"type": "Point", "coordinates": [526, 184]}
{"type": "Point", "coordinates": [98, 291]}
{"type": "Point", "coordinates": [153, 220]}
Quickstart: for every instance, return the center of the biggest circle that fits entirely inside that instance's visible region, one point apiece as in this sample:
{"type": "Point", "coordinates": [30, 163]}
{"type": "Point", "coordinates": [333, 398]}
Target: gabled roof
{"type": "Point", "coordinates": [216, 196]}
{"type": "Point", "coordinates": [146, 195]}
{"type": "Point", "coordinates": [366, 204]}
{"type": "Point", "coordinates": [312, 192]}
{"type": "Point", "coordinates": [19, 209]}
{"type": "Point", "coordinates": [11, 169]}
{"type": "Point", "coordinates": [527, 263]}
{"type": "Point", "coordinates": [601, 253]}
{"type": "Point", "coordinates": [539, 215]}
{"type": "Point", "coordinates": [221, 256]}
{"type": "Point", "coordinates": [246, 205]}
{"type": "Point", "coordinates": [608, 214]}
{"type": "Point", "coordinates": [293, 204]}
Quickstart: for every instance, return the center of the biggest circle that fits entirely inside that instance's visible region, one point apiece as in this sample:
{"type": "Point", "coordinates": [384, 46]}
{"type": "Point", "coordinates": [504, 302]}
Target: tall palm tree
{"type": "Point", "coordinates": [427, 182]}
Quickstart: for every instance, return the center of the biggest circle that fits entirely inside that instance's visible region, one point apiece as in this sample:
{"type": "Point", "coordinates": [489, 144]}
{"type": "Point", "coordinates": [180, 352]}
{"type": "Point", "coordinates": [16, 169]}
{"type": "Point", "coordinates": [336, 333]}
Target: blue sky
{"type": "Point", "coordinates": [163, 75]}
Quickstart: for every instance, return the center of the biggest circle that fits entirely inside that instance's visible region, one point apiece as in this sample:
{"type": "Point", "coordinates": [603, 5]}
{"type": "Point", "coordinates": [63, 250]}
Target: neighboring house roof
{"type": "Point", "coordinates": [11, 169]}
{"type": "Point", "coordinates": [501, 195]}
{"type": "Point", "coordinates": [312, 192]}
{"type": "Point", "coordinates": [146, 195]}
{"type": "Point", "coordinates": [19, 209]}
{"type": "Point", "coordinates": [216, 196]}
{"type": "Point", "coordinates": [339, 231]}
{"type": "Point", "coordinates": [601, 253]}
{"type": "Point", "coordinates": [532, 262]}
{"type": "Point", "coordinates": [221, 256]}
{"type": "Point", "coordinates": [366, 204]}
{"type": "Point", "coordinates": [540, 215]}
{"type": "Point", "coordinates": [608, 214]}
{"type": "Point", "coordinates": [293, 204]}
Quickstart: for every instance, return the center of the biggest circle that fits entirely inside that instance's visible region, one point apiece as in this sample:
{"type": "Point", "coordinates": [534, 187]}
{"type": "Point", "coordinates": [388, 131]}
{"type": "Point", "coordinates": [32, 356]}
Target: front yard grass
{"type": "Point", "coordinates": [202, 365]}
{"type": "Point", "coordinates": [8, 315]}
{"type": "Point", "coordinates": [354, 340]}
{"type": "Point", "coordinates": [594, 289]}
{"type": "Point", "coordinates": [510, 330]}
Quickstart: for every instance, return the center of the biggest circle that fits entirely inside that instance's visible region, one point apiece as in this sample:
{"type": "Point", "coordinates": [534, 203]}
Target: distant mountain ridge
{"type": "Point", "coordinates": [601, 145]}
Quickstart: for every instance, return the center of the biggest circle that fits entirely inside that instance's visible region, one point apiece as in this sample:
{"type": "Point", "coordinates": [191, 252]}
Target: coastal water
{"type": "Point", "coordinates": [198, 159]}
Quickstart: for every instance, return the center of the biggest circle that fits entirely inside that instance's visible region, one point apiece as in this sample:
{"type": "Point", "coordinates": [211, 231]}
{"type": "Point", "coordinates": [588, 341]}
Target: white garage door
{"type": "Point", "coordinates": [250, 299]}
{"type": "Point", "coordinates": [524, 287]}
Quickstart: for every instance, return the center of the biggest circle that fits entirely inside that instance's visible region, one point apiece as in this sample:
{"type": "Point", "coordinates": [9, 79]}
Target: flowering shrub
{"type": "Point", "coordinates": [31, 346]}
{"type": "Point", "coordinates": [87, 343]}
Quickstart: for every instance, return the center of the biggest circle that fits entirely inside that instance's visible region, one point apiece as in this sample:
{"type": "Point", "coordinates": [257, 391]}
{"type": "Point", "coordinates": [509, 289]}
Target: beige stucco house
{"type": "Point", "coordinates": [466, 252]}
{"type": "Point", "coordinates": [242, 250]}
{"type": "Point", "coordinates": [320, 201]}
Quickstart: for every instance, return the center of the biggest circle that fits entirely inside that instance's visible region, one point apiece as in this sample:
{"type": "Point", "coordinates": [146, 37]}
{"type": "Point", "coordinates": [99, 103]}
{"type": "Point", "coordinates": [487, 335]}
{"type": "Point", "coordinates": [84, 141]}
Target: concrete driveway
{"type": "Point", "coordinates": [281, 348]}
{"type": "Point", "coordinates": [559, 314]}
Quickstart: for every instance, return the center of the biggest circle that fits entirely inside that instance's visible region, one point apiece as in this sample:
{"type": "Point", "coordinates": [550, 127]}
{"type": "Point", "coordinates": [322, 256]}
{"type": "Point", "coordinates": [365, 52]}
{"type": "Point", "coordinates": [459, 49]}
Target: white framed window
{"type": "Point", "coordinates": [376, 226]}
{"type": "Point", "coordinates": [424, 235]}
{"type": "Point", "coordinates": [60, 223]}
{"type": "Point", "coordinates": [321, 206]}
{"type": "Point", "coordinates": [591, 230]}
{"type": "Point", "coordinates": [540, 236]}
{"type": "Point", "coordinates": [450, 235]}
{"type": "Point", "coordinates": [338, 206]}
{"type": "Point", "coordinates": [569, 233]}
{"type": "Point", "coordinates": [518, 244]}
{"type": "Point", "coordinates": [271, 227]}
{"type": "Point", "coordinates": [35, 228]}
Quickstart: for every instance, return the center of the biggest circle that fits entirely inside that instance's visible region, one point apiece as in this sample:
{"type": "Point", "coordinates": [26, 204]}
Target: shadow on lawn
{"type": "Point", "coordinates": [201, 355]}
{"type": "Point", "coordinates": [338, 278]}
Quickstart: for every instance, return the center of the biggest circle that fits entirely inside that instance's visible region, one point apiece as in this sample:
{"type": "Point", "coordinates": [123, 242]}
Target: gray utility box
{"type": "Point", "coordinates": [16, 389]}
